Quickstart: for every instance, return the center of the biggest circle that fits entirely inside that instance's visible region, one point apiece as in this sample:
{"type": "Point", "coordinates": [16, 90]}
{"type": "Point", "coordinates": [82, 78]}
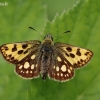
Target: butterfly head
{"type": "Point", "coordinates": [48, 39]}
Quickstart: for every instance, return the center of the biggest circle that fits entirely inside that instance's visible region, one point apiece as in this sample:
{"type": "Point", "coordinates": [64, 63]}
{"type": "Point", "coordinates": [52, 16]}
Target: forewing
{"type": "Point", "coordinates": [16, 52]}
{"type": "Point", "coordinates": [76, 56]}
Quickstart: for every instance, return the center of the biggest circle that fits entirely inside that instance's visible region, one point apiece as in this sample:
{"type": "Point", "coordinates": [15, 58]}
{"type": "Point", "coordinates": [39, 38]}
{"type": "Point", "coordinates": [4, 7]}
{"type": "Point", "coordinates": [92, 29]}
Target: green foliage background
{"type": "Point", "coordinates": [82, 18]}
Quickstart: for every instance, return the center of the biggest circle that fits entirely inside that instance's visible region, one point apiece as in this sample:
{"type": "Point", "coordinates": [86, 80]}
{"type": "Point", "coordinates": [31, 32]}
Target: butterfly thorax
{"type": "Point", "coordinates": [46, 55]}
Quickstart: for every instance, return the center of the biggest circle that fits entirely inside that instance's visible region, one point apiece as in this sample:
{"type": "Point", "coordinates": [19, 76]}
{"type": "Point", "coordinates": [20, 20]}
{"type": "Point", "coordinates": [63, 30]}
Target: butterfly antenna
{"type": "Point", "coordinates": [63, 33]}
{"type": "Point", "coordinates": [32, 28]}
{"type": "Point", "coordinates": [35, 30]}
{"type": "Point", "coordinates": [66, 32]}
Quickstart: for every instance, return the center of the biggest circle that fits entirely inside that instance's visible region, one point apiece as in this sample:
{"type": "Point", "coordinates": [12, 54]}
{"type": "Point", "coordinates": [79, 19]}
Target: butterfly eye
{"type": "Point", "coordinates": [52, 38]}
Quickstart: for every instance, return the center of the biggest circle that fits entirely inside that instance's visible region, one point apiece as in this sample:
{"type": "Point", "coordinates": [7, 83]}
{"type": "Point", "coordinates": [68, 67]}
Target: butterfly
{"type": "Point", "coordinates": [55, 60]}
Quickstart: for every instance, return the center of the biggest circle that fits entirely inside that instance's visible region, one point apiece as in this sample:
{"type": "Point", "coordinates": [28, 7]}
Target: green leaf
{"type": "Point", "coordinates": [83, 21]}
{"type": "Point", "coordinates": [15, 18]}
{"type": "Point", "coordinates": [57, 6]}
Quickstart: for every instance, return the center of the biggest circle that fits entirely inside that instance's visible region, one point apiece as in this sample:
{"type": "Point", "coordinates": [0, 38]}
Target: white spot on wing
{"type": "Point", "coordinates": [61, 74]}
{"type": "Point", "coordinates": [30, 71]}
{"type": "Point", "coordinates": [71, 68]}
{"type": "Point", "coordinates": [20, 67]}
{"type": "Point", "coordinates": [57, 74]}
{"type": "Point", "coordinates": [69, 71]}
{"type": "Point", "coordinates": [53, 67]}
{"type": "Point", "coordinates": [58, 58]}
{"type": "Point", "coordinates": [27, 71]}
{"type": "Point", "coordinates": [67, 75]}
{"type": "Point", "coordinates": [33, 56]}
{"type": "Point", "coordinates": [57, 68]}
{"type": "Point", "coordinates": [36, 65]}
{"type": "Point", "coordinates": [65, 62]}
{"type": "Point", "coordinates": [63, 68]}
{"type": "Point", "coordinates": [32, 66]}
{"type": "Point", "coordinates": [26, 65]}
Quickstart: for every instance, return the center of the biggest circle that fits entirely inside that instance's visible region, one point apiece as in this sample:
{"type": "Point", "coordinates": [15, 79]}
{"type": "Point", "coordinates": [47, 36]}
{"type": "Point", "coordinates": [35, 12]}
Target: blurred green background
{"type": "Point", "coordinates": [81, 17]}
